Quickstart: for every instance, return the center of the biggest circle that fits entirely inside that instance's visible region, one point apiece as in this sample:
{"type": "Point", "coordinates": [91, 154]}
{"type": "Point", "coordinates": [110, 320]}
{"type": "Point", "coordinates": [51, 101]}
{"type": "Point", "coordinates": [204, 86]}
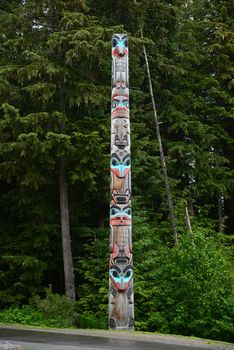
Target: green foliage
{"type": "Point", "coordinates": [92, 269]}
{"type": "Point", "coordinates": [57, 307]}
{"type": "Point", "coordinates": [49, 88]}
{"type": "Point", "coordinates": [187, 289]}
{"type": "Point", "coordinates": [25, 315]}
{"type": "Point", "coordinates": [52, 311]}
{"type": "Point", "coordinates": [90, 321]}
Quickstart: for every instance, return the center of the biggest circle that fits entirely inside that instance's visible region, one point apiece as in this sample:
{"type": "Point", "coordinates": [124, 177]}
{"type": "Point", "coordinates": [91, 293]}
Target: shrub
{"type": "Point", "coordinates": [26, 315]}
{"type": "Point", "coordinates": [56, 307]}
{"type": "Point", "coordinates": [52, 311]}
{"type": "Point", "coordinates": [91, 321]}
{"type": "Point", "coordinates": [187, 290]}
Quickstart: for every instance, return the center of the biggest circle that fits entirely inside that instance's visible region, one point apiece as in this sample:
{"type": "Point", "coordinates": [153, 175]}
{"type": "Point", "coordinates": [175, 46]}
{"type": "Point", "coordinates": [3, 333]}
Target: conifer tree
{"type": "Point", "coordinates": [51, 51]}
{"type": "Point", "coordinates": [201, 110]}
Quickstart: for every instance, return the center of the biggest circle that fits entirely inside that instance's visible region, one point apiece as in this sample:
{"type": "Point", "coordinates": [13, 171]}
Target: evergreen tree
{"type": "Point", "coordinates": [200, 113]}
{"type": "Point", "coordinates": [48, 71]}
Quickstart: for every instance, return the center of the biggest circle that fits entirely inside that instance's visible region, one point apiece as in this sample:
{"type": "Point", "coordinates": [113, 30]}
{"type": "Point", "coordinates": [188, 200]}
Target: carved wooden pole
{"type": "Point", "coordinates": [121, 307]}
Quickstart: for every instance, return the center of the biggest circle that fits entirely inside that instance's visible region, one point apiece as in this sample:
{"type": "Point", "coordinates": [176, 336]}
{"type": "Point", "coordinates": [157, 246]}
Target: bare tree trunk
{"type": "Point", "coordinates": [64, 207]}
{"type": "Point", "coordinates": [65, 231]}
{"type": "Point", "coordinates": [69, 278]}
{"type": "Point", "coordinates": [220, 202]}
{"type": "Point", "coordinates": [221, 218]}
{"type": "Point", "coordinates": [161, 151]}
{"type": "Point", "coordinates": [187, 221]}
{"type": "Point", "coordinates": [190, 207]}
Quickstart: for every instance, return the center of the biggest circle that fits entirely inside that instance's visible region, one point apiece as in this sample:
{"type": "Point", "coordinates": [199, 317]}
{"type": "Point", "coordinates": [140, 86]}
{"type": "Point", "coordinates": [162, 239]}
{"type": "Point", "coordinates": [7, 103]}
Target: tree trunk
{"type": "Point", "coordinates": [187, 221]}
{"type": "Point", "coordinates": [161, 151]}
{"type": "Point", "coordinates": [220, 213]}
{"type": "Point", "coordinates": [65, 231]}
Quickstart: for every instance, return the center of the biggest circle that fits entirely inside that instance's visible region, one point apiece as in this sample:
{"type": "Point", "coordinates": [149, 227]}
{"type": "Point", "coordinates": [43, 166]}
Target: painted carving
{"type": "Point", "coordinates": [120, 215]}
{"type": "Point", "coordinates": [120, 106]}
{"type": "Point", "coordinates": [121, 305]}
{"type": "Point", "coordinates": [119, 45]}
{"type": "Point", "coordinates": [120, 133]}
{"type": "Point", "coordinates": [120, 166]}
{"type": "Point", "coordinates": [121, 277]}
{"type": "Point", "coordinates": [119, 60]}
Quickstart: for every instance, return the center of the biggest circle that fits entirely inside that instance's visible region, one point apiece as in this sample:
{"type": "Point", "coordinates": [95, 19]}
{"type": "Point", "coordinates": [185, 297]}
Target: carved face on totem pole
{"type": "Point", "coordinates": [120, 106]}
{"type": "Point", "coordinates": [120, 133]}
{"type": "Point", "coordinates": [120, 215]}
{"type": "Point", "coordinates": [120, 175]}
{"type": "Point", "coordinates": [121, 277]}
{"type": "Point", "coordinates": [119, 45]}
{"type": "Point", "coordinates": [121, 252]}
{"type": "Point", "coordinates": [120, 165]}
{"type": "Point", "coordinates": [121, 245]}
{"type": "Point", "coordinates": [119, 60]}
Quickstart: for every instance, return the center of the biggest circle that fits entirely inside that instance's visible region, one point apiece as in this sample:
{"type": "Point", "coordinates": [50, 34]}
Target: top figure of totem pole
{"type": "Point", "coordinates": [121, 307]}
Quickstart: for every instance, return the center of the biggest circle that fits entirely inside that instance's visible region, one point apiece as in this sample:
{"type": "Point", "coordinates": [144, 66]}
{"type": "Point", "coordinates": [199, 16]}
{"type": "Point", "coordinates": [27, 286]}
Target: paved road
{"type": "Point", "coordinates": [35, 339]}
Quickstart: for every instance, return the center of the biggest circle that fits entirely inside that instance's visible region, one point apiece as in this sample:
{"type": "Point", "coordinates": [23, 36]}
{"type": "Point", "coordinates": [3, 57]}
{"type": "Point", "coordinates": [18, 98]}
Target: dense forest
{"type": "Point", "coordinates": [55, 74]}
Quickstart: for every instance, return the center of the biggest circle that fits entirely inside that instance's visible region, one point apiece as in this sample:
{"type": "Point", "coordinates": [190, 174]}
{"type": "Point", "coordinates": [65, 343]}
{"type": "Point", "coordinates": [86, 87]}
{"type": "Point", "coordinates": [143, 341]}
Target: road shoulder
{"type": "Point", "coordinates": [123, 335]}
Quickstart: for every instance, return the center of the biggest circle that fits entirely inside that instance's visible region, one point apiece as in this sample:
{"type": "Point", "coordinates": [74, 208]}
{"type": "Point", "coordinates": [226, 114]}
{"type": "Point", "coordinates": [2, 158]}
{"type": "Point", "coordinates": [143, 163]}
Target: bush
{"type": "Point", "coordinates": [91, 321]}
{"type": "Point", "coordinates": [26, 315]}
{"type": "Point", "coordinates": [52, 311]}
{"type": "Point", "coordinates": [187, 290]}
{"type": "Point", "coordinates": [56, 307]}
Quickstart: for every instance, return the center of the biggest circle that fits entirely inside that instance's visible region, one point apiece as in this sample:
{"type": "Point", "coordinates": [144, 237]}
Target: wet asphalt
{"type": "Point", "coordinates": [35, 339]}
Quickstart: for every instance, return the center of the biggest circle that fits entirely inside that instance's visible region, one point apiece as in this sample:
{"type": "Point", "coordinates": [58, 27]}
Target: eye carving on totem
{"type": "Point", "coordinates": [121, 278]}
{"type": "Point", "coordinates": [119, 45]}
{"type": "Point", "coordinates": [120, 101]}
{"type": "Point", "coordinates": [120, 106]}
{"type": "Point", "coordinates": [120, 216]}
{"type": "Point", "coordinates": [120, 168]}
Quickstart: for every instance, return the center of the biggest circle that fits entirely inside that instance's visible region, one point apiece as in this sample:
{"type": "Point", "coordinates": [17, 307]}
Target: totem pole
{"type": "Point", "coordinates": [121, 307]}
